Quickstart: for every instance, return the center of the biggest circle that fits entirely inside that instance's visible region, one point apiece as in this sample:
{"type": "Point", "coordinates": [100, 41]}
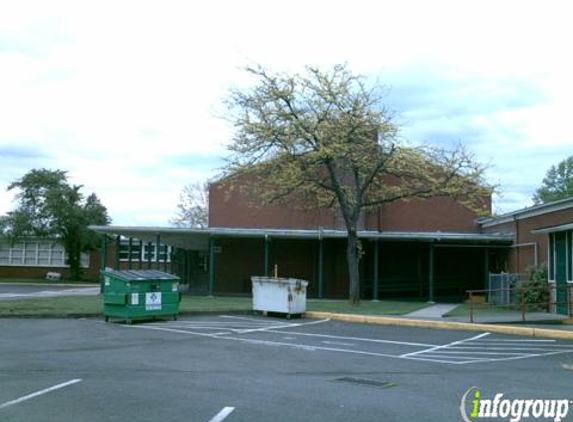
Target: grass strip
{"type": "Point", "coordinates": [92, 306]}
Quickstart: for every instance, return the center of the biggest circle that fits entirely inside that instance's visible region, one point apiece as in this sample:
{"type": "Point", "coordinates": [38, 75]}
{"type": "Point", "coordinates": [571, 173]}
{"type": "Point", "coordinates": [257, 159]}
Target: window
{"type": "Point", "coordinates": [36, 253]}
{"type": "Point", "coordinates": [124, 251]}
{"type": "Point", "coordinates": [149, 252]}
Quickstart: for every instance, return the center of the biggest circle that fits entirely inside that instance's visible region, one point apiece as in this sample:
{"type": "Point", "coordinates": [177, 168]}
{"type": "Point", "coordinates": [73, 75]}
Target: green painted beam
{"type": "Point", "coordinates": [117, 246]}
{"type": "Point", "coordinates": [267, 256]}
{"type": "Point", "coordinates": [486, 268]}
{"type": "Point", "coordinates": [129, 249]}
{"type": "Point", "coordinates": [375, 272]}
{"type": "Point", "coordinates": [211, 267]}
{"type": "Point", "coordinates": [165, 252]}
{"type": "Point", "coordinates": [149, 245]}
{"type": "Point", "coordinates": [320, 292]}
{"type": "Point", "coordinates": [431, 274]}
{"type": "Point", "coordinates": [103, 253]}
{"type": "Point", "coordinates": [157, 250]}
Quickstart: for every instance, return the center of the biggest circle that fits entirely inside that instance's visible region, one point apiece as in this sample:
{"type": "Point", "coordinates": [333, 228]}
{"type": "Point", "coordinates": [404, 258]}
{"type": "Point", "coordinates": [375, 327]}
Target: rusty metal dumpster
{"type": "Point", "coordinates": [281, 295]}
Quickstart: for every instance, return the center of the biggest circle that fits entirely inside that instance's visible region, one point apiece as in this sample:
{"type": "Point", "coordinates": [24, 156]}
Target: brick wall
{"type": "Point", "coordinates": [522, 255]}
{"type": "Point", "coordinates": [234, 208]}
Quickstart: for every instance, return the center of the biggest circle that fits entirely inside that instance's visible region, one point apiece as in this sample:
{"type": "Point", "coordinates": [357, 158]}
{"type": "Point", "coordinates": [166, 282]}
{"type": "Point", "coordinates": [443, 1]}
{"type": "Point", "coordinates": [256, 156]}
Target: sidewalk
{"type": "Point", "coordinates": [437, 312]}
{"type": "Point", "coordinates": [434, 311]}
{"type": "Point", "coordinates": [46, 292]}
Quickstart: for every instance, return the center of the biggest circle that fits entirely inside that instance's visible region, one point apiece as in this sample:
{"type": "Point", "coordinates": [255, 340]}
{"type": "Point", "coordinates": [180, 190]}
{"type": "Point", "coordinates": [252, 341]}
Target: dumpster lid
{"type": "Point", "coordinates": [279, 280]}
{"type": "Point", "coordinates": [140, 275]}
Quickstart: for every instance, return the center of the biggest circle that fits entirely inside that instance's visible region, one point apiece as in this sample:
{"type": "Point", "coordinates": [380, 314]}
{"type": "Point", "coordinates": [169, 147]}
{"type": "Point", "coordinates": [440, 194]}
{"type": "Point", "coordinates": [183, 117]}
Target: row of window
{"type": "Point", "coordinates": [559, 263]}
{"type": "Point", "coordinates": [143, 251]}
{"type": "Point", "coordinates": [35, 254]}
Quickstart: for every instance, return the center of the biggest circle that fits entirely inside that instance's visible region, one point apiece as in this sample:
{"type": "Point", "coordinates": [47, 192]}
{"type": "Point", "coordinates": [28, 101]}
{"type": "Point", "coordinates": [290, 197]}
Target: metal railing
{"type": "Point", "coordinates": [555, 298]}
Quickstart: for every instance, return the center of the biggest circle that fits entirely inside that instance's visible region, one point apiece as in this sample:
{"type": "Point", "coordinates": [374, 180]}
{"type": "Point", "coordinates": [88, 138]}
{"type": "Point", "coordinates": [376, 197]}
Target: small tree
{"type": "Point", "coordinates": [557, 184]}
{"type": "Point", "coordinates": [48, 206]}
{"type": "Point", "coordinates": [325, 138]}
{"type": "Point", "coordinates": [193, 208]}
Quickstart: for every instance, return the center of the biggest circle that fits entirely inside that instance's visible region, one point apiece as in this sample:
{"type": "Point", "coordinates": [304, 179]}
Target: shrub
{"type": "Point", "coordinates": [536, 289]}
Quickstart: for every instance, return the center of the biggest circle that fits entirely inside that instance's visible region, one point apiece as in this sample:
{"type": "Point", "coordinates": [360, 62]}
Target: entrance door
{"type": "Point", "coordinates": [561, 272]}
{"type": "Point", "coordinates": [191, 266]}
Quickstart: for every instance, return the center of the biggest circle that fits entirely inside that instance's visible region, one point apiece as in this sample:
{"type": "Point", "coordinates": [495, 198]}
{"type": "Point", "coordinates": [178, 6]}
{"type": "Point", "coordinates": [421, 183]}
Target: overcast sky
{"type": "Point", "coordinates": [127, 96]}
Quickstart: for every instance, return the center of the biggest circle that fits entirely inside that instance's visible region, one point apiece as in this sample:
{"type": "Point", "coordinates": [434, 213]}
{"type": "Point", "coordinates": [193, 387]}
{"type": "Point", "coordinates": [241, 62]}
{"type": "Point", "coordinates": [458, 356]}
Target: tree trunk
{"type": "Point", "coordinates": [353, 273]}
{"type": "Point", "coordinates": [74, 255]}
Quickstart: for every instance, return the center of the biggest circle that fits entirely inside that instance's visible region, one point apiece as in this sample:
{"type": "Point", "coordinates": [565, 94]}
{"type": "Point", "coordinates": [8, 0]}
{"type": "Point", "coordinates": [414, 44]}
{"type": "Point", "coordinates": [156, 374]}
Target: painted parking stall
{"type": "Point", "coordinates": [238, 368]}
{"type": "Point", "coordinates": [317, 336]}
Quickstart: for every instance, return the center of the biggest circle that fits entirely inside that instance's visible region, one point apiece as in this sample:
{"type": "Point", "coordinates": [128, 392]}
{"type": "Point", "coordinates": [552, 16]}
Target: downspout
{"type": "Point", "coordinates": [517, 243]}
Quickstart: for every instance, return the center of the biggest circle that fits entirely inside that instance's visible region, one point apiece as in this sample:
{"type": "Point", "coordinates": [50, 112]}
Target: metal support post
{"type": "Point", "coordinates": [320, 284]}
{"type": "Point", "coordinates": [157, 250]}
{"type": "Point", "coordinates": [103, 253]}
{"type": "Point", "coordinates": [211, 267]}
{"type": "Point", "coordinates": [129, 249]}
{"type": "Point", "coordinates": [117, 246]}
{"type": "Point", "coordinates": [375, 273]}
{"type": "Point", "coordinates": [266, 263]}
{"type": "Point", "coordinates": [431, 275]}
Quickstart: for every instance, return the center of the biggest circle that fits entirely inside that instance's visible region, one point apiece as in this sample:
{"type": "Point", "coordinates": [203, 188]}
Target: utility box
{"type": "Point", "coordinates": [130, 294]}
{"type": "Point", "coordinates": [281, 295]}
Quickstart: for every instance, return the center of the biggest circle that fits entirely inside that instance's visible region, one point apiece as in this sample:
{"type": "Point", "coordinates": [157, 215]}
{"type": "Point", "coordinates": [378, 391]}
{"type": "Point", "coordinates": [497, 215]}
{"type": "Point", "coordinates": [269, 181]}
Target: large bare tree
{"type": "Point", "coordinates": [325, 138]}
{"type": "Point", "coordinates": [193, 208]}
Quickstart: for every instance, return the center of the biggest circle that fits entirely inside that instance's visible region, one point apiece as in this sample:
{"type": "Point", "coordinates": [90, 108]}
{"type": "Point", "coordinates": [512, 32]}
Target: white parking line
{"type": "Point", "coordinates": [517, 340]}
{"type": "Point", "coordinates": [337, 343]}
{"type": "Point", "coordinates": [534, 349]}
{"type": "Point", "coordinates": [433, 349]}
{"type": "Point", "coordinates": [174, 330]}
{"type": "Point", "coordinates": [251, 319]}
{"type": "Point", "coordinates": [277, 326]}
{"type": "Point", "coordinates": [307, 347]}
{"type": "Point", "coordinates": [476, 349]}
{"type": "Point", "coordinates": [39, 393]}
{"type": "Point", "coordinates": [371, 340]}
{"type": "Point", "coordinates": [222, 414]}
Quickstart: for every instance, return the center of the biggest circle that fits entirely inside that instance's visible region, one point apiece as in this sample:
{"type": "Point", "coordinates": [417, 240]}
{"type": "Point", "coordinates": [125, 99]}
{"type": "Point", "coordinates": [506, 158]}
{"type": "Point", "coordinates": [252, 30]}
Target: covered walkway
{"type": "Point", "coordinates": [432, 266]}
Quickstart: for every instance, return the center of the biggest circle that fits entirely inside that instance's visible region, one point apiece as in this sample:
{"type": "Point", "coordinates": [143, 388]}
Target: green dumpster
{"type": "Point", "coordinates": [132, 294]}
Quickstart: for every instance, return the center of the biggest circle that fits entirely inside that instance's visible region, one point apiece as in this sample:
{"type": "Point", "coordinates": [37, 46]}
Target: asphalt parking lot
{"type": "Point", "coordinates": [242, 368]}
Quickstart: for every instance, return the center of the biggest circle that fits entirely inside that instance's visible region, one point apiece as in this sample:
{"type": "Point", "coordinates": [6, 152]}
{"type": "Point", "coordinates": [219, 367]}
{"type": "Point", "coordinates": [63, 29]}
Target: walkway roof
{"type": "Point", "coordinates": [191, 238]}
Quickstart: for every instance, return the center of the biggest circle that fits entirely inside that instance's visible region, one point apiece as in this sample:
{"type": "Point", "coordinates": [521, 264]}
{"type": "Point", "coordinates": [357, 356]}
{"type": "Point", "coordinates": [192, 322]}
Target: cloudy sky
{"type": "Point", "coordinates": [127, 95]}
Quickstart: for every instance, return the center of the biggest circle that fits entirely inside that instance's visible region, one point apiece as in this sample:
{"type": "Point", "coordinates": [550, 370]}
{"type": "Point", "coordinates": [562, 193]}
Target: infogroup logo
{"type": "Point", "coordinates": [474, 407]}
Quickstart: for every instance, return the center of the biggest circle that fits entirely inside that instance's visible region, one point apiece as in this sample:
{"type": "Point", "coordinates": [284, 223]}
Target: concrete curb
{"type": "Point", "coordinates": [99, 315]}
{"type": "Point", "coordinates": [446, 325]}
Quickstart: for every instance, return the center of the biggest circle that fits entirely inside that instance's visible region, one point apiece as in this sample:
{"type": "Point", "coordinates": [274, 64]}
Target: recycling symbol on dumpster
{"type": "Point", "coordinates": [153, 301]}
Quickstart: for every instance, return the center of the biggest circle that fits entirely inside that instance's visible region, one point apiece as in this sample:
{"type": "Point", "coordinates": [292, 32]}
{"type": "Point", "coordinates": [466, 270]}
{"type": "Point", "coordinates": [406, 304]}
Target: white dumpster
{"type": "Point", "coordinates": [282, 295]}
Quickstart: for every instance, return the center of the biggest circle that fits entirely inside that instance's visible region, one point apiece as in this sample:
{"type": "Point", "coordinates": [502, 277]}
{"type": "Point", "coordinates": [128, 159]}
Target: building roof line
{"type": "Point", "coordinates": [553, 229]}
{"type": "Point", "coordinates": [528, 212]}
{"type": "Point", "coordinates": [436, 236]}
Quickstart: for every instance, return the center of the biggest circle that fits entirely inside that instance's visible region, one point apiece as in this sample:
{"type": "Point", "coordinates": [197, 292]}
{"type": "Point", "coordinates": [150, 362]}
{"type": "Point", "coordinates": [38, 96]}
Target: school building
{"type": "Point", "coordinates": [432, 250]}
